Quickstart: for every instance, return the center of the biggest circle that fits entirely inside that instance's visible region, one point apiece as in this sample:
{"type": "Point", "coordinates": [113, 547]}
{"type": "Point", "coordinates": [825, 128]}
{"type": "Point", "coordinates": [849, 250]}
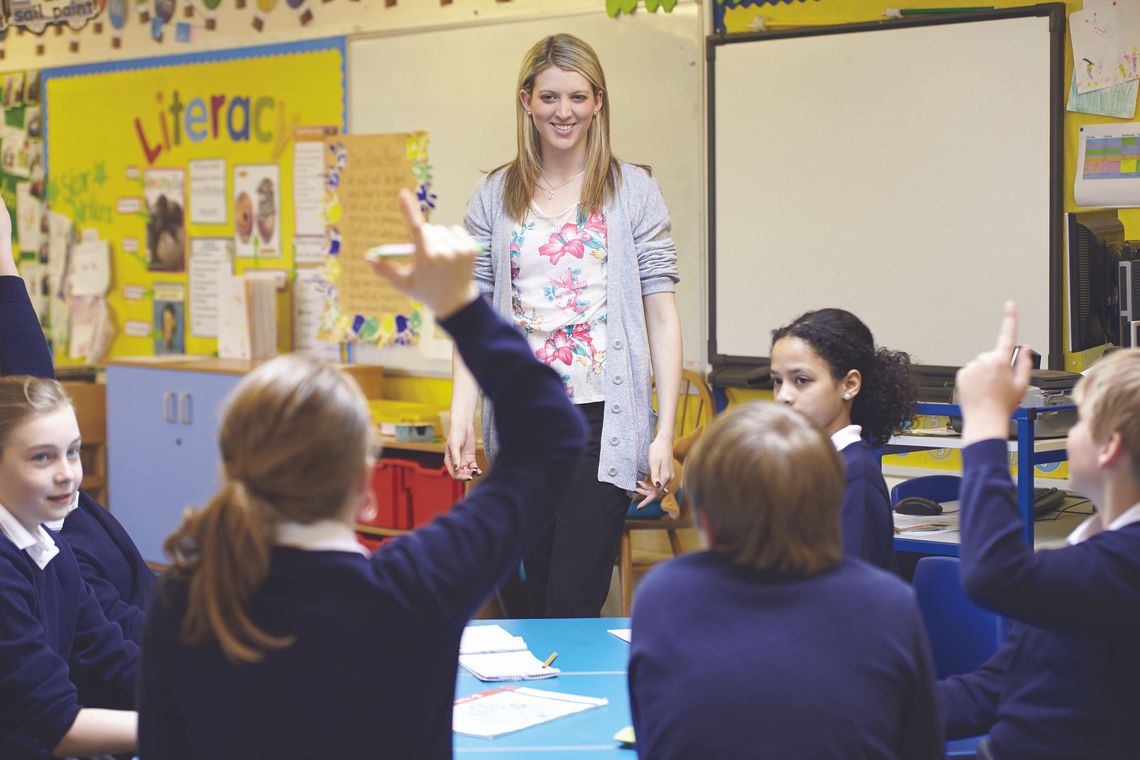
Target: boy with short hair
{"type": "Point", "coordinates": [1064, 684]}
{"type": "Point", "coordinates": [772, 644]}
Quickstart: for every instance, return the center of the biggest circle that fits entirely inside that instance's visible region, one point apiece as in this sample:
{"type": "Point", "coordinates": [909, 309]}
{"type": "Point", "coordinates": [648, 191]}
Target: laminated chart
{"type": "Point", "coordinates": [1108, 165]}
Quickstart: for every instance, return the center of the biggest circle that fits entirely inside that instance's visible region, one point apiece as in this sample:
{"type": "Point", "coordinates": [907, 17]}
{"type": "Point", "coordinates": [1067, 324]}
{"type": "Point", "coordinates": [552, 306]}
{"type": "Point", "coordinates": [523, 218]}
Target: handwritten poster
{"type": "Point", "coordinates": [363, 174]}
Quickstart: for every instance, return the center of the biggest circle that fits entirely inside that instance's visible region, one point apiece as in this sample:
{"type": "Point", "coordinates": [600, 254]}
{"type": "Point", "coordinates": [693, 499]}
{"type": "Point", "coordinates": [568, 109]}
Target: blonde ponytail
{"type": "Point", "coordinates": [294, 438]}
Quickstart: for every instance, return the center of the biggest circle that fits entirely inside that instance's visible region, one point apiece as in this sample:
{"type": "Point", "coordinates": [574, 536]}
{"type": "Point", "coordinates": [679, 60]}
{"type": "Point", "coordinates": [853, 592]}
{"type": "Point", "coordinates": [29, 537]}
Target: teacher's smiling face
{"type": "Point", "coordinates": [562, 106]}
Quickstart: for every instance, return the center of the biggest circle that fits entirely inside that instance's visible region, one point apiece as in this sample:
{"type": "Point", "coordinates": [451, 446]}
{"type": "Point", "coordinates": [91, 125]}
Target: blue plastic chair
{"type": "Point", "coordinates": [962, 635]}
{"type": "Point", "coordinates": [936, 487]}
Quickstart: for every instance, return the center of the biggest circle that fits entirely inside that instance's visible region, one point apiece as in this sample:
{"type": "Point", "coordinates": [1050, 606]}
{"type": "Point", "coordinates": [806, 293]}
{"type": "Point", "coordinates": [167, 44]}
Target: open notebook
{"type": "Point", "coordinates": [492, 654]}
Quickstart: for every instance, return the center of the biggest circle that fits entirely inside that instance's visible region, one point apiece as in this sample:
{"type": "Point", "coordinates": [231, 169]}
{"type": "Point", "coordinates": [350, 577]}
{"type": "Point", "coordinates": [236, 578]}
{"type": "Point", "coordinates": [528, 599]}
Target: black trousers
{"type": "Point", "coordinates": [568, 572]}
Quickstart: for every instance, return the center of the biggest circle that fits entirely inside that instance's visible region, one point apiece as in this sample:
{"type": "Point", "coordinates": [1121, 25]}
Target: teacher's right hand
{"type": "Point", "coordinates": [459, 453]}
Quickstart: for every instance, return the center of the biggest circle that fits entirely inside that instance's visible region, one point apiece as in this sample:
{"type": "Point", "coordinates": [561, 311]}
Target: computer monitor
{"type": "Point", "coordinates": [1128, 292]}
{"type": "Point", "coordinates": [1095, 242]}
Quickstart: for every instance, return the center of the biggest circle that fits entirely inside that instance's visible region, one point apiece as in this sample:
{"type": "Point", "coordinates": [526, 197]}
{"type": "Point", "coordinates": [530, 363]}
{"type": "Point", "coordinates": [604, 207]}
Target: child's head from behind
{"type": "Point", "coordinates": [40, 469]}
{"type": "Point", "coordinates": [770, 485]}
{"type": "Point", "coordinates": [1108, 399]}
{"type": "Point", "coordinates": [294, 438]}
{"type": "Point", "coordinates": [825, 364]}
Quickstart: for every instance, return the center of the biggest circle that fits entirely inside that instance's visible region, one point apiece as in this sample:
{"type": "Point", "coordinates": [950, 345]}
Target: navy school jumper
{"type": "Point", "coordinates": [729, 661]}
{"type": "Point", "coordinates": [372, 670]}
{"type": "Point", "coordinates": [1066, 683]}
{"type": "Point", "coordinates": [107, 557]}
{"type": "Point", "coordinates": [58, 652]}
{"type": "Point", "coordinates": [865, 522]}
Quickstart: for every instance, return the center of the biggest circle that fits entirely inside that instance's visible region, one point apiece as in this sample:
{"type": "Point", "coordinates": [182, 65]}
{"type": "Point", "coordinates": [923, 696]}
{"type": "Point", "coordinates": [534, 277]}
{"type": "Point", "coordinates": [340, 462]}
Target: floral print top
{"type": "Point", "coordinates": [558, 295]}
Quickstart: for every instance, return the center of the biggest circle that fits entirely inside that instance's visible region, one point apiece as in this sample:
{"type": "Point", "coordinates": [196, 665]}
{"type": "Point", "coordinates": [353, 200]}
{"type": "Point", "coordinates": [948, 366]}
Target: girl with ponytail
{"type": "Point", "coordinates": [825, 365]}
{"type": "Point", "coordinates": [274, 634]}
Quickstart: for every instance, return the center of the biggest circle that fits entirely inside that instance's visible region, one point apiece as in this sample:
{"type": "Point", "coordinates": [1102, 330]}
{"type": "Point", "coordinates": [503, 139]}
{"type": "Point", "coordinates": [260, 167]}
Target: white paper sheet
{"type": "Point", "coordinates": [208, 191]}
{"type": "Point", "coordinates": [624, 634]}
{"type": "Point", "coordinates": [308, 187]}
{"type": "Point", "coordinates": [90, 268]}
{"type": "Point", "coordinates": [482, 639]}
{"type": "Point", "coordinates": [29, 212]}
{"type": "Point", "coordinates": [1108, 165]}
{"type": "Point", "coordinates": [501, 711]}
{"type": "Point", "coordinates": [210, 262]}
{"type": "Point", "coordinates": [1105, 39]}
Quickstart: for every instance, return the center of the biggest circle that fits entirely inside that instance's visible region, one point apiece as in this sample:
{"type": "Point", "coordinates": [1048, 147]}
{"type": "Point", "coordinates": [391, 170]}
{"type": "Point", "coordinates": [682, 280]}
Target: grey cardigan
{"type": "Point", "coordinates": [641, 259]}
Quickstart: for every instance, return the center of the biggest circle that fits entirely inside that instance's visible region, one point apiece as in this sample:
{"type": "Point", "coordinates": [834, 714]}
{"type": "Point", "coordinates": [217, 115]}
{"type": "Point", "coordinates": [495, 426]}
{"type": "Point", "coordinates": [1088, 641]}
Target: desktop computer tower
{"type": "Point", "coordinates": [1128, 290]}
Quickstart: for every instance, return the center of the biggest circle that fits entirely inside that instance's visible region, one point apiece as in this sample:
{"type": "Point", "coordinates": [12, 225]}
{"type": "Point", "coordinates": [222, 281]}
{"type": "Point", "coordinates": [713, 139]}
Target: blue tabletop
{"type": "Point", "coordinates": [593, 664]}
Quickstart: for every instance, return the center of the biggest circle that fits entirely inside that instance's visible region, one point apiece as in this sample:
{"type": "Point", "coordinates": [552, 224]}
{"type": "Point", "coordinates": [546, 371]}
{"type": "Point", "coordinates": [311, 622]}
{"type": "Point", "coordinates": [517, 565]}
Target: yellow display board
{"type": "Point", "coordinates": [185, 167]}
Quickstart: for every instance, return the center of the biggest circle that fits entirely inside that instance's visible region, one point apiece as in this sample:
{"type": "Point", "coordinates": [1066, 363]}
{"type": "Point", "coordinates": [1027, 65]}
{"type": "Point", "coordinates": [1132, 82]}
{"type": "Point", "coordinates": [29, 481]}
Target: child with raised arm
{"type": "Point", "coordinates": [67, 675]}
{"type": "Point", "coordinates": [1064, 683]}
{"type": "Point", "coordinates": [274, 635]}
{"type": "Point", "coordinates": [826, 365]}
{"type": "Point", "coordinates": [772, 643]}
{"type": "Point", "coordinates": [108, 559]}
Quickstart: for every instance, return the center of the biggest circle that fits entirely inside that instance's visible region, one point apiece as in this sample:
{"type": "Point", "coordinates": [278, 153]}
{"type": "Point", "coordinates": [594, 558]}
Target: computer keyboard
{"type": "Point", "coordinates": [1046, 500]}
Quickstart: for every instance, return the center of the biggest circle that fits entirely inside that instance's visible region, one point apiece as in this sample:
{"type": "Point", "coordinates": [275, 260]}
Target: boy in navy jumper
{"type": "Point", "coordinates": [108, 559]}
{"type": "Point", "coordinates": [773, 644]}
{"type": "Point", "coordinates": [1065, 683]}
{"type": "Point", "coordinates": [273, 635]}
{"type": "Point", "coordinates": [62, 663]}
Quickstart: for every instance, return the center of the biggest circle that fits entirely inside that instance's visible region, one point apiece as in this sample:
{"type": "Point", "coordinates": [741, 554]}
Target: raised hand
{"type": "Point", "coordinates": [440, 273]}
{"type": "Point", "coordinates": [989, 389]}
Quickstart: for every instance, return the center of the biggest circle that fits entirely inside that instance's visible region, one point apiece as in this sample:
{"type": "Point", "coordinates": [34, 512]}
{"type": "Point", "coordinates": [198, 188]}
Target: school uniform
{"type": "Point", "coordinates": [1064, 684]}
{"type": "Point", "coordinates": [108, 559]}
{"type": "Point", "coordinates": [729, 661]}
{"type": "Point", "coordinates": [58, 652]}
{"type": "Point", "coordinates": [866, 525]}
{"type": "Point", "coordinates": [372, 668]}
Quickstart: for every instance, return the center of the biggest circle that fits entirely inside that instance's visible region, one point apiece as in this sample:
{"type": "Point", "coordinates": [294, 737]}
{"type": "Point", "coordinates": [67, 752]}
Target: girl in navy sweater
{"type": "Point", "coordinates": [773, 644]}
{"type": "Point", "coordinates": [825, 365]}
{"type": "Point", "coordinates": [274, 635]}
{"type": "Point", "coordinates": [108, 559]}
{"type": "Point", "coordinates": [67, 675]}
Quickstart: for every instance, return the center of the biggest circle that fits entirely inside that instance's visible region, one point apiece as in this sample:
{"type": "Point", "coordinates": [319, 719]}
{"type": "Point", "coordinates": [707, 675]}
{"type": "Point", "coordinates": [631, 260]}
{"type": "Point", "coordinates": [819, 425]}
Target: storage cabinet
{"type": "Point", "coordinates": [162, 439]}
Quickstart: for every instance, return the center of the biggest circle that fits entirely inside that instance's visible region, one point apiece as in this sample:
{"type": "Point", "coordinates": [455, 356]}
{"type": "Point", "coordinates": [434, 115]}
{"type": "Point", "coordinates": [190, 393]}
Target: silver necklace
{"type": "Point", "coordinates": [551, 189]}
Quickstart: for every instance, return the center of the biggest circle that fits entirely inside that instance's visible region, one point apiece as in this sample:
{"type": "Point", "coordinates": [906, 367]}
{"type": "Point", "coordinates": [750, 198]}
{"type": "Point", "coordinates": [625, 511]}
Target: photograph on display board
{"type": "Point", "coordinates": [32, 87]}
{"type": "Point", "coordinates": [14, 90]}
{"type": "Point", "coordinates": [169, 327]}
{"type": "Point", "coordinates": [165, 193]}
{"type": "Point", "coordinates": [257, 210]}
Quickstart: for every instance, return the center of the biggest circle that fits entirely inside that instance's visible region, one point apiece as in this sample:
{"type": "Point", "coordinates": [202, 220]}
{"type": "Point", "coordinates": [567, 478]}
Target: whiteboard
{"type": "Point", "coordinates": [909, 174]}
{"type": "Point", "coordinates": [459, 85]}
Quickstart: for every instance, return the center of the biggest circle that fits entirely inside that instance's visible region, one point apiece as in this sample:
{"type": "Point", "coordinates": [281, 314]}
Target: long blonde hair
{"type": "Point", "coordinates": [294, 440]}
{"type": "Point", "coordinates": [602, 170]}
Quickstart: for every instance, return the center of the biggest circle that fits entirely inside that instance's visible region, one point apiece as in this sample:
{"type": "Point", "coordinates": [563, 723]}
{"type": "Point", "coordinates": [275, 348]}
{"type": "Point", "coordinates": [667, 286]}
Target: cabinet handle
{"type": "Point", "coordinates": [185, 409]}
{"type": "Point", "coordinates": [169, 412]}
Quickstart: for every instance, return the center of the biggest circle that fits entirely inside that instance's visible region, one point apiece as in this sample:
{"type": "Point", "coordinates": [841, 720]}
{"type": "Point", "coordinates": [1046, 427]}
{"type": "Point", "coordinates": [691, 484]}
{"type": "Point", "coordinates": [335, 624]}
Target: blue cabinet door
{"type": "Point", "coordinates": [162, 452]}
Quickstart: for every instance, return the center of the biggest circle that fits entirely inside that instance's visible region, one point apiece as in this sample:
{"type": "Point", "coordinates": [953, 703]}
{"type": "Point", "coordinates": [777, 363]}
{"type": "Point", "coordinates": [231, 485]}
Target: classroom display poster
{"type": "Point", "coordinates": [179, 141]}
{"type": "Point", "coordinates": [363, 174]}
{"type": "Point", "coordinates": [1108, 165]}
{"type": "Point", "coordinates": [169, 318]}
{"type": "Point", "coordinates": [165, 194]}
{"type": "Point", "coordinates": [257, 211]}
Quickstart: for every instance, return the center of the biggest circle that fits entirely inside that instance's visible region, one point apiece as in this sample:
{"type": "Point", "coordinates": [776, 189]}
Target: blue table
{"type": "Point", "coordinates": [593, 664]}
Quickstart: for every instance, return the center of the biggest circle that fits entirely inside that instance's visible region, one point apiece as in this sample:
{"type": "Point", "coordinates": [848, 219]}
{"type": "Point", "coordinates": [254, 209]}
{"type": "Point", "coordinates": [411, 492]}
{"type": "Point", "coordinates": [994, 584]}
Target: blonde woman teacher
{"type": "Point", "coordinates": [580, 258]}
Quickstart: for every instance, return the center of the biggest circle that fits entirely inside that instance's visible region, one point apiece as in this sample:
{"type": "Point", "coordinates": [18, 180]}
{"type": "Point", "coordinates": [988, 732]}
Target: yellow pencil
{"type": "Point", "coordinates": [549, 659]}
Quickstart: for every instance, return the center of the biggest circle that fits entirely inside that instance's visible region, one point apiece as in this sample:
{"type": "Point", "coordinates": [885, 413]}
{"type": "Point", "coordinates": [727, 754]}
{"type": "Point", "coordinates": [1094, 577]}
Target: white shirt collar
{"type": "Point", "coordinates": [40, 546]}
{"type": "Point", "coordinates": [844, 437]}
{"type": "Point", "coordinates": [1092, 526]}
{"type": "Point", "coordinates": [319, 536]}
{"type": "Point", "coordinates": [57, 525]}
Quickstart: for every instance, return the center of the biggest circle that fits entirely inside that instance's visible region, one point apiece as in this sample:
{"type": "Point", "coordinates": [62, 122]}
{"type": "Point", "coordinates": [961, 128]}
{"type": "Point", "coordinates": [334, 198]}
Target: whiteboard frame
{"type": "Point", "coordinates": [729, 370]}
